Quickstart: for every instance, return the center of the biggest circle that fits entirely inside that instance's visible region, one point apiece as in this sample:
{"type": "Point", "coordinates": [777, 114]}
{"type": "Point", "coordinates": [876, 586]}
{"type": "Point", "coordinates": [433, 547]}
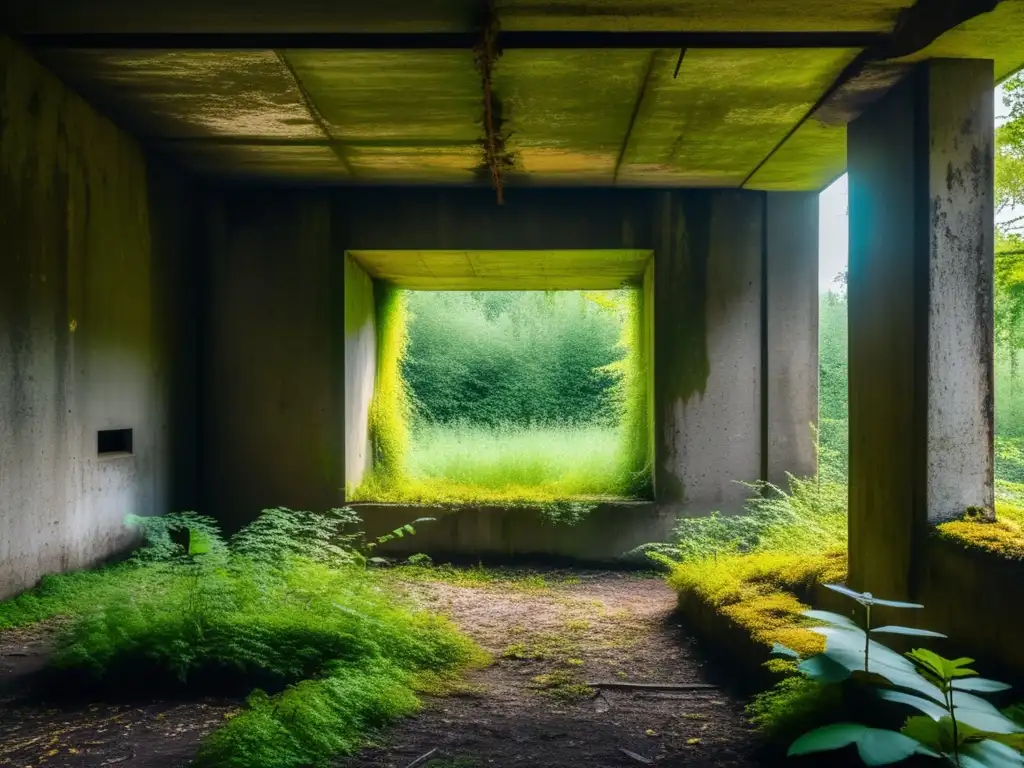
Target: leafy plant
{"type": "Point", "coordinates": [956, 725]}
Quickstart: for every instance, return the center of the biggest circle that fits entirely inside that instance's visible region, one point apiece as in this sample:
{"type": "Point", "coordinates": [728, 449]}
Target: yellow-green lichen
{"type": "Point", "coordinates": [756, 591]}
{"type": "Point", "coordinates": [1004, 537]}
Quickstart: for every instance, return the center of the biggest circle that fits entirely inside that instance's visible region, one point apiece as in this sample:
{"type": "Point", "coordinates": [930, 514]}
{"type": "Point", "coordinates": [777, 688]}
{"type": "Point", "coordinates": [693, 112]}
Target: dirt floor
{"type": "Point", "coordinates": [534, 706]}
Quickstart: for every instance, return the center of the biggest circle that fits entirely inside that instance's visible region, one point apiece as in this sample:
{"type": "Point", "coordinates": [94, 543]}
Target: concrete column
{"type": "Point", "coordinates": [920, 292]}
{"type": "Point", "coordinates": [791, 334]}
{"type": "Point", "coordinates": [274, 356]}
{"type": "Point", "coordinates": [707, 340]}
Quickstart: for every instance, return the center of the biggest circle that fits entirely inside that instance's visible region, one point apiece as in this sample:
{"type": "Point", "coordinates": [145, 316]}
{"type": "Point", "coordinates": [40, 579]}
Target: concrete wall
{"type": "Point", "coordinates": [278, 395]}
{"type": "Point", "coordinates": [95, 259]}
{"type": "Point", "coordinates": [707, 358]}
{"type": "Point", "coordinates": [605, 535]}
{"type": "Point", "coordinates": [791, 334]}
{"type": "Point", "coordinates": [274, 426]}
{"type": "Point", "coordinates": [920, 299]}
{"type": "Point", "coordinates": [360, 370]}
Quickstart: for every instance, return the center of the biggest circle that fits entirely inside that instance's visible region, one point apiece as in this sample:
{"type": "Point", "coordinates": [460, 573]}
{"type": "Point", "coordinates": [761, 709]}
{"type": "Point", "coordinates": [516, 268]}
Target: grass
{"type": "Point", "coordinates": [506, 465]}
{"type": "Point", "coordinates": [443, 462]}
{"type": "Point", "coordinates": [332, 652]}
{"type": "Point", "coordinates": [480, 577]}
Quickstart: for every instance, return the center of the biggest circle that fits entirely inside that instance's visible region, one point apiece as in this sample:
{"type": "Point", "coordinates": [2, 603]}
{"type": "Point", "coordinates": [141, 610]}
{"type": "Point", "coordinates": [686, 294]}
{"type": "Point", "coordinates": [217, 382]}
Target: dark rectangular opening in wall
{"type": "Point", "coordinates": [110, 441]}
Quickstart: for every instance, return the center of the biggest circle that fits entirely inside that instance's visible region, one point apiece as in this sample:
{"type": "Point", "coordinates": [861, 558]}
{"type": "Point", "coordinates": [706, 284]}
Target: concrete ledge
{"type": "Point", "coordinates": [607, 533]}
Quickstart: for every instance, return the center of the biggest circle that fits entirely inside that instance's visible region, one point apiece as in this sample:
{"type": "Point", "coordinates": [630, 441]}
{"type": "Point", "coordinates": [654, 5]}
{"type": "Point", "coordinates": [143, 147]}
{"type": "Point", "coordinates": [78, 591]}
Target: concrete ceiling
{"type": "Point", "coordinates": [259, 88]}
{"type": "Point", "coordinates": [593, 270]}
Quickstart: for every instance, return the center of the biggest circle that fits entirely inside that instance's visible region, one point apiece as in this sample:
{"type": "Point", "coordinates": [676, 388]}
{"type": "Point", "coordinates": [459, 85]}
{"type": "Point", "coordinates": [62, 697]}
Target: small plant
{"type": "Point", "coordinates": [957, 726]}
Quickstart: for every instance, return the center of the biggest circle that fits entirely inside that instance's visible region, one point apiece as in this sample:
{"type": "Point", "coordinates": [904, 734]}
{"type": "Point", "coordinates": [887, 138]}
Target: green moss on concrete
{"type": "Point", "coordinates": [390, 410]}
{"type": "Point", "coordinates": [360, 306]}
{"type": "Point", "coordinates": [1004, 537]}
{"type": "Point", "coordinates": [700, 15]}
{"type": "Point", "coordinates": [724, 113]}
{"type": "Point", "coordinates": [756, 593]}
{"type": "Point", "coordinates": [995, 35]}
{"type": "Point", "coordinates": [480, 270]}
{"type": "Point", "coordinates": [568, 112]}
{"type": "Point", "coordinates": [813, 158]}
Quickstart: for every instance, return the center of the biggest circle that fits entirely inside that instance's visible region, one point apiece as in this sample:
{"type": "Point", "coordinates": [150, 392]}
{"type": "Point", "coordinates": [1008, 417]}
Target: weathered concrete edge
{"type": "Point", "coordinates": [605, 536]}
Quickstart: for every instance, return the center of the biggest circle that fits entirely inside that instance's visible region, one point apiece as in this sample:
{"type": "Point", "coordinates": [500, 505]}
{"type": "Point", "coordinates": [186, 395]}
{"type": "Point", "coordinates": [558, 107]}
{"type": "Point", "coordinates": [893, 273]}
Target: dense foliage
{"type": "Point", "coordinates": [524, 358]}
{"type": "Point", "coordinates": [285, 606]}
{"type": "Point", "coordinates": [509, 398]}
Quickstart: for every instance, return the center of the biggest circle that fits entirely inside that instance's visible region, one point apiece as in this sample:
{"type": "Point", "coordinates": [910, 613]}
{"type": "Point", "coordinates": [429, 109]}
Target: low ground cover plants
{"type": "Point", "coordinates": [285, 609]}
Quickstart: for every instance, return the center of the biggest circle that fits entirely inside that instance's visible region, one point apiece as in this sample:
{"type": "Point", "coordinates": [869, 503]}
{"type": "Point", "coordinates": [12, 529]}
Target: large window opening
{"type": "Point", "coordinates": [509, 396]}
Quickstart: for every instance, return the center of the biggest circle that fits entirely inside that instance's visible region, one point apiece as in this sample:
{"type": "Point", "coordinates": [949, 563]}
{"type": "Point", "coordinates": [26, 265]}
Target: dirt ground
{"type": "Point", "coordinates": [532, 707]}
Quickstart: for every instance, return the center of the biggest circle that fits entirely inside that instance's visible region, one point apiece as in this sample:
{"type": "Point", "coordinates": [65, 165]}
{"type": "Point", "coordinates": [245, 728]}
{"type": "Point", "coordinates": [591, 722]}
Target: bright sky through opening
{"type": "Point", "coordinates": [832, 225]}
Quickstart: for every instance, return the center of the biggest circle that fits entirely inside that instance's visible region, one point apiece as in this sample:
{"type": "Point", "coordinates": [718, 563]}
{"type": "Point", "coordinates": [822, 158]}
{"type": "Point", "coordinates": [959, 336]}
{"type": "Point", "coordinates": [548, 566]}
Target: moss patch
{"type": "Point", "coordinates": [1004, 537]}
{"type": "Point", "coordinates": [756, 592]}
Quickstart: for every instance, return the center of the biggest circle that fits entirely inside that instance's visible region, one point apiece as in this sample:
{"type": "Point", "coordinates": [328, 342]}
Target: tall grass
{"type": "Point", "coordinates": [567, 461]}
{"type": "Point", "coordinates": [509, 398]}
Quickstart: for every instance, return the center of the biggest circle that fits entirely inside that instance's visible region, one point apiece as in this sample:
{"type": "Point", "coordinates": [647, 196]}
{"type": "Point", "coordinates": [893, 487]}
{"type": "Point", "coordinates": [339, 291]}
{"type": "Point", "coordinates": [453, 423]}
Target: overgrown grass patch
{"type": "Point", "coordinates": [286, 607]}
{"type": "Point", "coordinates": [509, 399]}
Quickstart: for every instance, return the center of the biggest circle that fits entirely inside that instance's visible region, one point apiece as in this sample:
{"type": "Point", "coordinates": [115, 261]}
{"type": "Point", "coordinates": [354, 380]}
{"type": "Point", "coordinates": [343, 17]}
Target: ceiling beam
{"type": "Point", "coordinates": [447, 40]}
{"type": "Point", "coordinates": [641, 93]}
{"type": "Point", "coordinates": [917, 27]}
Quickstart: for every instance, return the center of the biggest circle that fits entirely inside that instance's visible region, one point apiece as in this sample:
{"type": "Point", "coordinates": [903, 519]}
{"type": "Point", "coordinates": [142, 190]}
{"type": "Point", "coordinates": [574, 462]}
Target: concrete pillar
{"type": "Point", "coordinates": [920, 291]}
{"type": "Point", "coordinates": [791, 335]}
{"type": "Point", "coordinates": [707, 340]}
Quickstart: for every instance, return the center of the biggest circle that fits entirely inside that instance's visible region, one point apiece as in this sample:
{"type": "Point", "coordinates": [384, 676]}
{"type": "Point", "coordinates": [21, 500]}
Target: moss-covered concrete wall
{"type": "Point", "coordinates": [96, 329]}
{"type": "Point", "coordinates": [707, 354]}
{"type": "Point", "coordinates": [286, 408]}
{"type": "Point", "coordinates": [360, 371]}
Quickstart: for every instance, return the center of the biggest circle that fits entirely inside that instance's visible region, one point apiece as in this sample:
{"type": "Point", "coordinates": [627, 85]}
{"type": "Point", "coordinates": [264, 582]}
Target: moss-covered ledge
{"type": "Point", "coordinates": [740, 605]}
{"type": "Point", "coordinates": [1003, 538]}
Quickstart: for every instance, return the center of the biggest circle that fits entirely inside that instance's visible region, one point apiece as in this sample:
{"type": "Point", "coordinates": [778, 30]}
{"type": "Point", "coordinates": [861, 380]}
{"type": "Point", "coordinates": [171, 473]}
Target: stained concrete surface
{"type": "Point", "coordinates": [920, 298]}
{"type": "Point", "coordinates": [271, 428]}
{"type": "Point", "coordinates": [360, 371]}
{"type": "Point", "coordinates": [273, 359]}
{"type": "Point", "coordinates": [94, 258]}
{"type": "Point", "coordinates": [707, 355]}
{"type": "Point", "coordinates": [791, 335]}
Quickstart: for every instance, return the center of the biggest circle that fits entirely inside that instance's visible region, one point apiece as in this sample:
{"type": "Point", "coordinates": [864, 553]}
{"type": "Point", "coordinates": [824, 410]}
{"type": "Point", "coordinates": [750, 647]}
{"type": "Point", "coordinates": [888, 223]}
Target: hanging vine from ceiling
{"type": "Point", "coordinates": [497, 158]}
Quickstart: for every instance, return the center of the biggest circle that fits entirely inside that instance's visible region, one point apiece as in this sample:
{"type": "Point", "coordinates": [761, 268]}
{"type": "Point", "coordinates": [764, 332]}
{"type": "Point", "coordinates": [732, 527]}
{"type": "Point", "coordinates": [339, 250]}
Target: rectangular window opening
{"type": "Point", "coordinates": [113, 442]}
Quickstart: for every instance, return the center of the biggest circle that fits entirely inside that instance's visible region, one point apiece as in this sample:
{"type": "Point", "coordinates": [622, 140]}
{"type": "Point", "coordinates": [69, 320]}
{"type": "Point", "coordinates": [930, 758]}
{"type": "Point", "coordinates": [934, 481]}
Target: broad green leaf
{"type": "Point", "coordinates": [980, 685]}
{"type": "Point", "coordinates": [823, 669]}
{"type": "Point", "coordinates": [893, 630]}
{"type": "Point", "coordinates": [929, 707]}
{"type": "Point", "coordinates": [981, 714]}
{"type": "Point", "coordinates": [963, 661]}
{"type": "Point", "coordinates": [956, 672]}
{"type": "Point", "coordinates": [970, 710]}
{"type": "Point", "coordinates": [399, 533]}
{"type": "Point", "coordinates": [864, 598]}
{"type": "Point", "coordinates": [778, 649]}
{"type": "Point", "coordinates": [935, 734]}
{"type": "Point", "coordinates": [827, 738]}
{"type": "Point", "coordinates": [834, 619]}
{"type": "Point", "coordinates": [895, 603]}
{"type": "Point", "coordinates": [931, 661]}
{"type": "Point", "coordinates": [874, 745]}
{"type": "Point", "coordinates": [882, 747]}
{"type": "Point", "coordinates": [1015, 740]}
{"type": "Point", "coordinates": [990, 754]}
{"type": "Point", "coordinates": [409, 529]}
